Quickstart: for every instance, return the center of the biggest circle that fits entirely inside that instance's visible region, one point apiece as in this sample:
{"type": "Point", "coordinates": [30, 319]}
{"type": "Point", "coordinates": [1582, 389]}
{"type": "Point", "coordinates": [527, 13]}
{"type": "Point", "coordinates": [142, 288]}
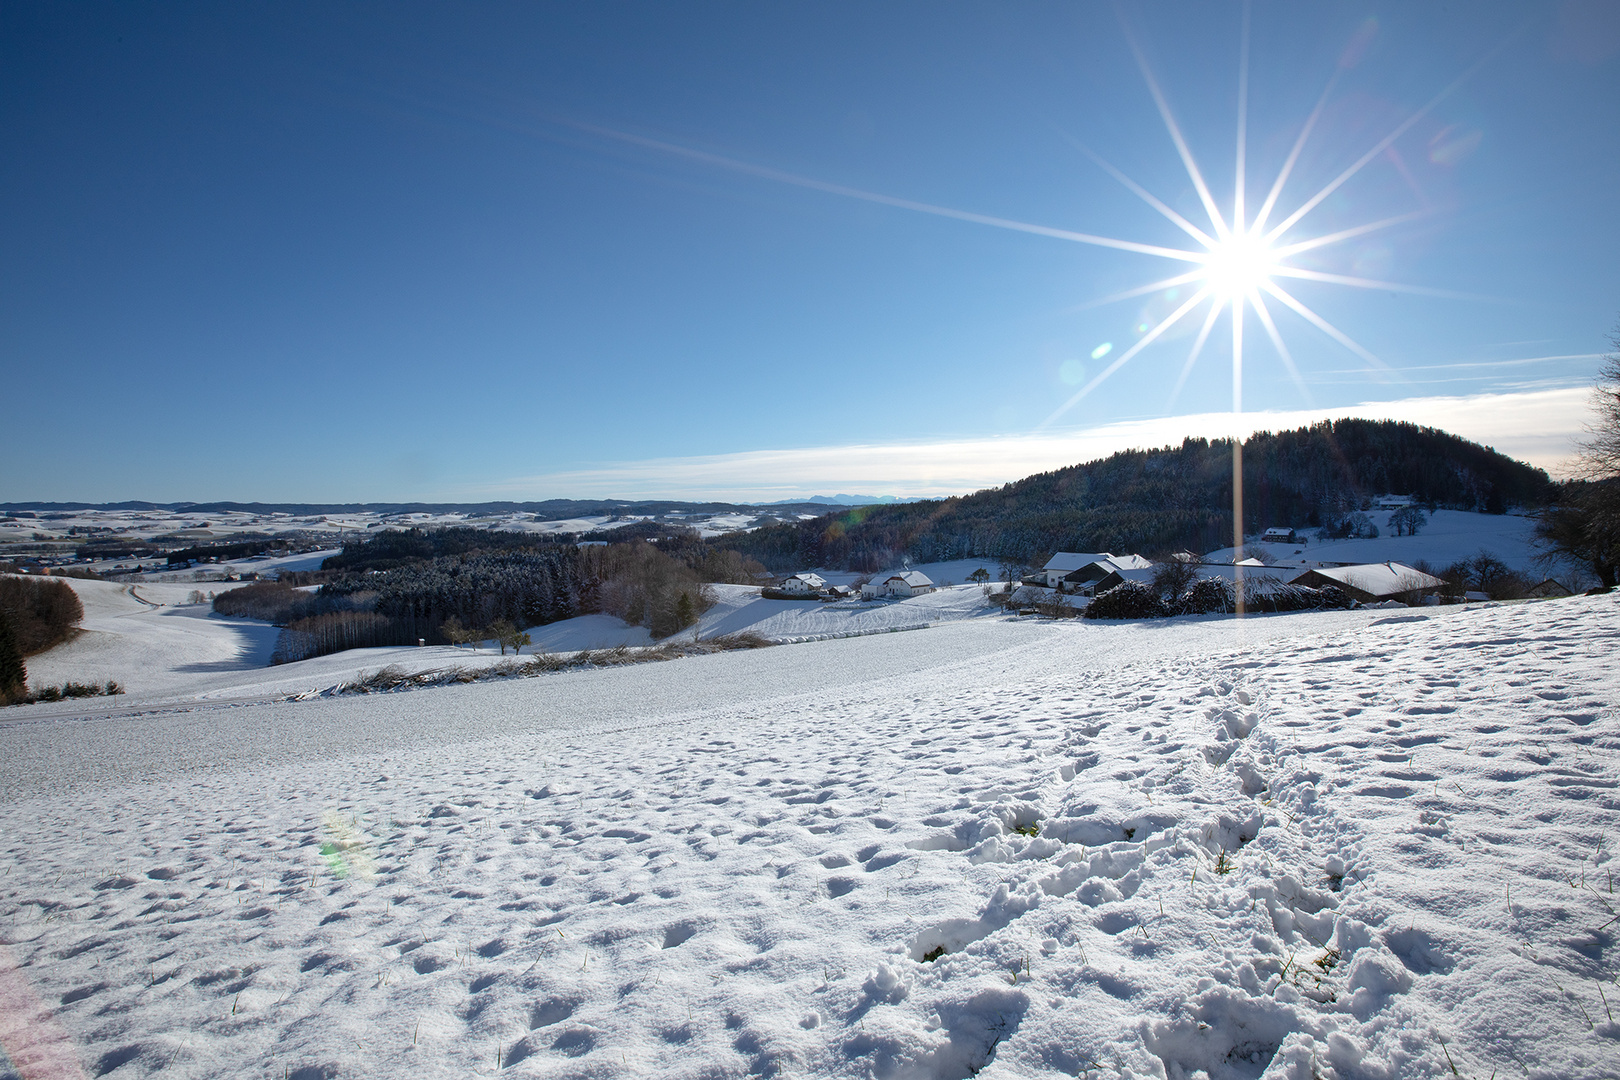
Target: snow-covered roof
{"type": "Point", "coordinates": [1109, 564]}
{"type": "Point", "coordinates": [915, 578]}
{"type": "Point", "coordinates": [1066, 561]}
{"type": "Point", "coordinates": [1142, 574]}
{"type": "Point", "coordinates": [1379, 579]}
{"type": "Point", "coordinates": [815, 581]}
{"type": "Point", "coordinates": [1228, 572]}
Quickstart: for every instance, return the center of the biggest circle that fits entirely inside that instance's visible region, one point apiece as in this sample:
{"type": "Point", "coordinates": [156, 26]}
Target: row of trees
{"type": "Point", "coordinates": [450, 599]}
{"type": "Point", "coordinates": [242, 547]}
{"type": "Point", "coordinates": [1208, 596]}
{"type": "Point", "coordinates": [320, 635]}
{"type": "Point", "coordinates": [439, 585]}
{"type": "Point", "coordinates": [272, 601]}
{"type": "Point", "coordinates": [394, 548]}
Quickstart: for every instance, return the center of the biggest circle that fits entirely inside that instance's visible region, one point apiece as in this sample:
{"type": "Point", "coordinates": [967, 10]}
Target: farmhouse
{"type": "Point", "coordinates": [903, 583]}
{"type": "Point", "coordinates": [1372, 582]}
{"type": "Point", "coordinates": [1118, 577]}
{"type": "Point", "coordinates": [804, 584]}
{"type": "Point", "coordinates": [1065, 563]}
{"type": "Point", "coordinates": [1075, 569]}
{"type": "Point", "coordinates": [1088, 580]}
{"type": "Point", "coordinates": [1279, 535]}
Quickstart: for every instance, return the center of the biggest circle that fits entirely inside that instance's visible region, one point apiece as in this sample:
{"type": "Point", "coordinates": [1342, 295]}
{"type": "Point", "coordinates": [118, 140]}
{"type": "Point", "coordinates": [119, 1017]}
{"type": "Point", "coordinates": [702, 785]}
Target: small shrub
{"type": "Point", "coordinates": [1333, 597]}
{"type": "Point", "coordinates": [1127, 600]}
{"type": "Point", "coordinates": [69, 689]}
{"type": "Point", "coordinates": [384, 679]}
{"type": "Point", "coordinates": [1208, 596]}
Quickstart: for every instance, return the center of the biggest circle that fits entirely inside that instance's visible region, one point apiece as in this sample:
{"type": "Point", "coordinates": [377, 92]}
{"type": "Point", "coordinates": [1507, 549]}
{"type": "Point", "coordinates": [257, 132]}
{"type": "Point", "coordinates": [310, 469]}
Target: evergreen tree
{"type": "Point", "coordinates": [13, 672]}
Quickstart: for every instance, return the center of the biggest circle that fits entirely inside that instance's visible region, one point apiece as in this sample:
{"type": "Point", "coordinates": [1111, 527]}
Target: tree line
{"type": "Point", "coordinates": [1162, 500]}
{"type": "Point", "coordinates": [453, 585]}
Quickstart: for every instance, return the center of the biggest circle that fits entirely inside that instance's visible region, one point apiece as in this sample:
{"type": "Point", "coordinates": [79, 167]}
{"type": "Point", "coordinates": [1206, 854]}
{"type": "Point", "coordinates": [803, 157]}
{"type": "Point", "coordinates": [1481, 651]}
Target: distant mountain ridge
{"type": "Point", "coordinates": [1162, 500]}
{"type": "Point", "coordinates": [549, 509]}
{"type": "Point", "coordinates": [845, 500]}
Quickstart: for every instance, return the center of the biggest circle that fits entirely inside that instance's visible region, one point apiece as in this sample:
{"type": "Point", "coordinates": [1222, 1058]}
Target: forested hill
{"type": "Point", "coordinates": [1163, 500]}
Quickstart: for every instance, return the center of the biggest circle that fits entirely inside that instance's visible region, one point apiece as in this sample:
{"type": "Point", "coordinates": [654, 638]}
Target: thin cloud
{"type": "Point", "coordinates": [1466, 364]}
{"type": "Point", "coordinates": [1539, 426]}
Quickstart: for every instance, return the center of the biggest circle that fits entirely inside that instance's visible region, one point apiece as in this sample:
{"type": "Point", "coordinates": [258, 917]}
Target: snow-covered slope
{"type": "Point", "coordinates": [741, 609]}
{"type": "Point", "coordinates": [1449, 536]}
{"type": "Point", "coordinates": [147, 638]}
{"type": "Point", "coordinates": [1321, 845]}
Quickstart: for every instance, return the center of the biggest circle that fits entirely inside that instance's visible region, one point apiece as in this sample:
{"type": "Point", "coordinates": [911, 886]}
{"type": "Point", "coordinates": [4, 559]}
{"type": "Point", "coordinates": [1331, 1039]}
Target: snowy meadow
{"type": "Point", "coordinates": [1349, 844]}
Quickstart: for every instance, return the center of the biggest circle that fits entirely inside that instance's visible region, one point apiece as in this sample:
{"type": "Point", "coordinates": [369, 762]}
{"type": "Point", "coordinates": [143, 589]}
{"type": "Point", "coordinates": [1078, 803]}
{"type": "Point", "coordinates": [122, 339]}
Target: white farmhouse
{"type": "Point", "coordinates": [1084, 570]}
{"type": "Point", "coordinates": [904, 583]}
{"type": "Point", "coordinates": [1064, 563]}
{"type": "Point", "coordinates": [804, 584]}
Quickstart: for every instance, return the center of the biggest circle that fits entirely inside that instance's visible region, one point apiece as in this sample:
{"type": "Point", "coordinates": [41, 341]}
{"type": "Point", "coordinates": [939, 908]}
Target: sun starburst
{"type": "Point", "coordinates": [1238, 260]}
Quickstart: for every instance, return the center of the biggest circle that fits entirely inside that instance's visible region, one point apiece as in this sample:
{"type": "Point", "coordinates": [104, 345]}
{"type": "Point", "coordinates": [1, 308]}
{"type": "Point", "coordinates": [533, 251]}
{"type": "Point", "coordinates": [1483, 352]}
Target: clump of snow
{"type": "Point", "coordinates": [1329, 845]}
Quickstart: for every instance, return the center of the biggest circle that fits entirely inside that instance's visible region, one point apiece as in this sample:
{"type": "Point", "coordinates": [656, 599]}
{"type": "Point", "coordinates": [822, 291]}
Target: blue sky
{"type": "Point", "coordinates": [410, 251]}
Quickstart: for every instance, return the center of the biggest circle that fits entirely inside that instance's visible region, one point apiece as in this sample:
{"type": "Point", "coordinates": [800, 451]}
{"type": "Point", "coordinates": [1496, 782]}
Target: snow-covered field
{"type": "Point", "coordinates": [1347, 844]}
{"type": "Point", "coordinates": [149, 638]}
{"type": "Point", "coordinates": [740, 609]}
{"type": "Point", "coordinates": [79, 526]}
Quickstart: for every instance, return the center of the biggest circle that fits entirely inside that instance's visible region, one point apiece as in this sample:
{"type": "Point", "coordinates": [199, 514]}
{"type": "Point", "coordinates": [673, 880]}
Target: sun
{"type": "Point", "coordinates": [1240, 266]}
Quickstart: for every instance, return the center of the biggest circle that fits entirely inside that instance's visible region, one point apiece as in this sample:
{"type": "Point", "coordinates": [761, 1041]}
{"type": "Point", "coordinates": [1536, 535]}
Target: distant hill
{"type": "Point", "coordinates": [1163, 500]}
{"type": "Point", "coordinates": [548, 510]}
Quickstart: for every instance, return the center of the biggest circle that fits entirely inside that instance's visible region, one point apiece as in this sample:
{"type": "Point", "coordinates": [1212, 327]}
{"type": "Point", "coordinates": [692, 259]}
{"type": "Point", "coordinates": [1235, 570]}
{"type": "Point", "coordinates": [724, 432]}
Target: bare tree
{"type": "Point", "coordinates": [1408, 520]}
{"type": "Point", "coordinates": [1583, 525]}
{"type": "Point", "coordinates": [1599, 455]}
{"type": "Point", "coordinates": [1173, 578]}
{"type": "Point", "coordinates": [507, 634]}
